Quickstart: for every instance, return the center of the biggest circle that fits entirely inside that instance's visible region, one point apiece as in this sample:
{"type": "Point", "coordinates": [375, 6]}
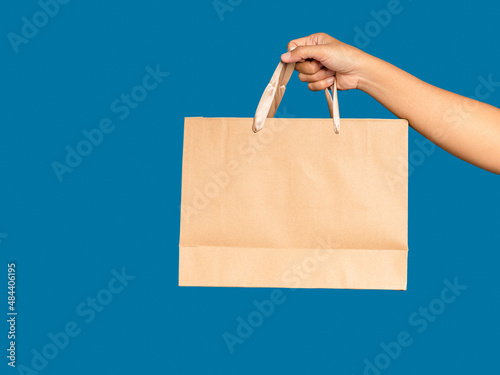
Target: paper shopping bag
{"type": "Point", "coordinates": [294, 205]}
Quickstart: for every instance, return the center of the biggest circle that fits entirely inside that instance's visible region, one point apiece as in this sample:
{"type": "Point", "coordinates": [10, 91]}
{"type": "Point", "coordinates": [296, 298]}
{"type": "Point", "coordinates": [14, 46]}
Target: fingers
{"type": "Point", "coordinates": [311, 40]}
{"type": "Point", "coordinates": [297, 42]}
{"type": "Point", "coordinates": [301, 53]}
{"type": "Point", "coordinates": [319, 76]}
{"type": "Point", "coordinates": [309, 53]}
{"type": "Point", "coordinates": [321, 85]}
{"type": "Point", "coordinates": [308, 67]}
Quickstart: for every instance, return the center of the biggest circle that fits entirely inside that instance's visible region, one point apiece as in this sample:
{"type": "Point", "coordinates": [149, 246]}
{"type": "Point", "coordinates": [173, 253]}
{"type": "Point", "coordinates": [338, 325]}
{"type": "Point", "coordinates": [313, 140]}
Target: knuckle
{"type": "Point", "coordinates": [309, 68]}
{"type": "Point", "coordinates": [325, 73]}
{"type": "Point", "coordinates": [315, 66]}
{"type": "Point", "coordinates": [318, 75]}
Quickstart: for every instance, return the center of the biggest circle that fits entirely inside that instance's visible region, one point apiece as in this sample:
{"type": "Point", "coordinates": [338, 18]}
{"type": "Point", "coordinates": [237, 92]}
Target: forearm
{"type": "Point", "coordinates": [464, 127]}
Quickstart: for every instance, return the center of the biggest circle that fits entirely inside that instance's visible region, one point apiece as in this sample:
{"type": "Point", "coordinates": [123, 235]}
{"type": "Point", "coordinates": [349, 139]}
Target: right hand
{"type": "Point", "coordinates": [320, 59]}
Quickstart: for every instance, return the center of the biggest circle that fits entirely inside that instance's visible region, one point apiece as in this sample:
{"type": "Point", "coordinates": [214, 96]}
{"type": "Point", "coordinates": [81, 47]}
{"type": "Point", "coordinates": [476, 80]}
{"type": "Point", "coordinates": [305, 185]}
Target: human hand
{"type": "Point", "coordinates": [320, 59]}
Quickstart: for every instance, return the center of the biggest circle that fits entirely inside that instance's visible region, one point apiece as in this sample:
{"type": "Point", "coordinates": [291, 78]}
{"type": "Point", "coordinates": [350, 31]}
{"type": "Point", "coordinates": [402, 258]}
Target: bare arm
{"type": "Point", "coordinates": [466, 128]}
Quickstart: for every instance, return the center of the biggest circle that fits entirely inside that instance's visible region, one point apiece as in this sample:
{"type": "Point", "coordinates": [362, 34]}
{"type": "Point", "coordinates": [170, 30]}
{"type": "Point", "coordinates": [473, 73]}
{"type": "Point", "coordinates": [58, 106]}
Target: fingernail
{"type": "Point", "coordinates": [330, 72]}
{"type": "Point", "coordinates": [330, 80]}
{"type": "Point", "coordinates": [286, 56]}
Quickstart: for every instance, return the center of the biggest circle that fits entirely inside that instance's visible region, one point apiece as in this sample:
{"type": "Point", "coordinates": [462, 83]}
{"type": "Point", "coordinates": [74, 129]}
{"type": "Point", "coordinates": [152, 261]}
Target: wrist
{"type": "Point", "coordinates": [368, 70]}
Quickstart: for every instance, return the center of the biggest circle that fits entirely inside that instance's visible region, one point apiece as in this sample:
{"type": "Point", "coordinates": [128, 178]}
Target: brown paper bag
{"type": "Point", "coordinates": [294, 205]}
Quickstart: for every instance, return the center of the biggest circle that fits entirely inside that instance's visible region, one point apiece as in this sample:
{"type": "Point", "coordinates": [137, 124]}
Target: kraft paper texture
{"type": "Point", "coordinates": [294, 205]}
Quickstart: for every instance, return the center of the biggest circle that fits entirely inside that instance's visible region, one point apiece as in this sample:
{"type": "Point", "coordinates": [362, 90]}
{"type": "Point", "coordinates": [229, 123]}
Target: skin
{"type": "Point", "coordinates": [466, 128]}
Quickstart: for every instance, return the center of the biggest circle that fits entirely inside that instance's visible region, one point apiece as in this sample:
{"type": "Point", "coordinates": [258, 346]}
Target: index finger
{"type": "Point", "coordinates": [297, 42]}
{"type": "Point", "coordinates": [311, 40]}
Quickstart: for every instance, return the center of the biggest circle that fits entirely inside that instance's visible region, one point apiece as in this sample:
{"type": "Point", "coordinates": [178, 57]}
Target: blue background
{"type": "Point", "coordinates": [120, 206]}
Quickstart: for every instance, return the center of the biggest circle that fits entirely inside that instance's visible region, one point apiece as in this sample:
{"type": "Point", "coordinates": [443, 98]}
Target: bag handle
{"type": "Point", "coordinates": [271, 98]}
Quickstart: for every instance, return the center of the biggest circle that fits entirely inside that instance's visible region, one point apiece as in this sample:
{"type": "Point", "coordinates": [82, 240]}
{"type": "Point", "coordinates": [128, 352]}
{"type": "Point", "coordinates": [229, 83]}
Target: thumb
{"type": "Point", "coordinates": [302, 53]}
